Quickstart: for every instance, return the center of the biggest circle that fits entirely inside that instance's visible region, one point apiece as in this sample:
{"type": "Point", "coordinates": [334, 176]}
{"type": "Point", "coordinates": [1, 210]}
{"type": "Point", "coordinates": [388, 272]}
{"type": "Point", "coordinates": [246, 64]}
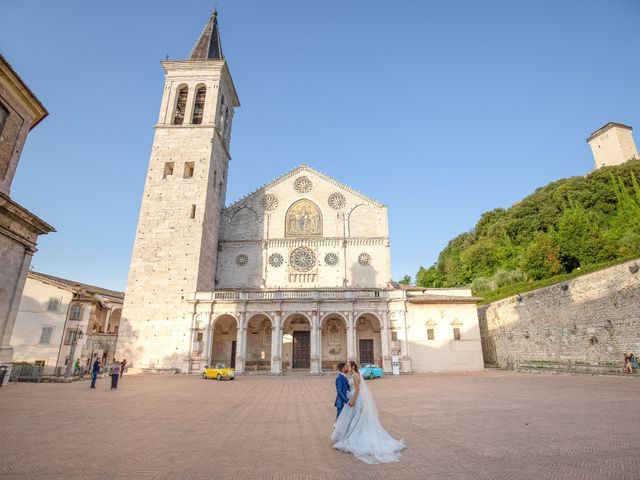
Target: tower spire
{"type": "Point", "coordinates": [208, 46]}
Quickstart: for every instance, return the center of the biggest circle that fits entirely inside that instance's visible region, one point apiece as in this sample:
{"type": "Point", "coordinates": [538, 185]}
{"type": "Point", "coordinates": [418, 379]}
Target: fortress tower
{"type": "Point", "coordinates": [612, 144]}
{"type": "Point", "coordinates": [176, 240]}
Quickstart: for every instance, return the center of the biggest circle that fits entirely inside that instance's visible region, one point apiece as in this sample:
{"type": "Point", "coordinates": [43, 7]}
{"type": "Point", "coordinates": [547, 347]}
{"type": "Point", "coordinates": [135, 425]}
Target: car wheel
{"type": "Point", "coordinates": [219, 377]}
{"type": "Point", "coordinates": [232, 378]}
{"type": "Point", "coordinates": [204, 376]}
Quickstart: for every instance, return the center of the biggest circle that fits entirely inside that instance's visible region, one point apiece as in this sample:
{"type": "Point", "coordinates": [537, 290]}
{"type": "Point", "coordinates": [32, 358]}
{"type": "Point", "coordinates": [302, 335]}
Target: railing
{"type": "Point", "coordinates": [297, 295]}
{"type": "Point", "coordinates": [34, 373]}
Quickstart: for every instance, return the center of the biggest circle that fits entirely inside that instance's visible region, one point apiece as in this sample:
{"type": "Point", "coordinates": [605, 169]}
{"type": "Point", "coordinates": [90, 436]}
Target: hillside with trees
{"type": "Point", "coordinates": [565, 228]}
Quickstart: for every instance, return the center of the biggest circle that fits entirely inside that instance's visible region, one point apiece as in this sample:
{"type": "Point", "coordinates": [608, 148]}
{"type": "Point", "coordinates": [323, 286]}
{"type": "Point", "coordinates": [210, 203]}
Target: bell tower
{"type": "Point", "coordinates": [176, 241]}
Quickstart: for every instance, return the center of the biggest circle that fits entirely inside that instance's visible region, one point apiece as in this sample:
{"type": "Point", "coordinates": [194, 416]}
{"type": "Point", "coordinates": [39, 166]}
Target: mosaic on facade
{"type": "Point", "coordinates": [303, 219]}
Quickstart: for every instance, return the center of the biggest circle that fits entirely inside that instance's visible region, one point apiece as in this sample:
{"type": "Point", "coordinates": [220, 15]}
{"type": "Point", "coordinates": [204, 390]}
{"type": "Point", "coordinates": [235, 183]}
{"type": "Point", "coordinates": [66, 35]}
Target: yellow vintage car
{"type": "Point", "coordinates": [221, 371]}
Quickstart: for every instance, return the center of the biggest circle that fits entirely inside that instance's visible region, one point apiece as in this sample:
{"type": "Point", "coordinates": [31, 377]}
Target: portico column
{"type": "Point", "coordinates": [351, 354]}
{"type": "Point", "coordinates": [241, 340]}
{"type": "Point", "coordinates": [209, 339]}
{"type": "Point", "coordinates": [316, 368]}
{"type": "Point", "coordinates": [405, 360]}
{"type": "Point", "coordinates": [384, 337]}
{"type": "Point", "coordinates": [276, 345]}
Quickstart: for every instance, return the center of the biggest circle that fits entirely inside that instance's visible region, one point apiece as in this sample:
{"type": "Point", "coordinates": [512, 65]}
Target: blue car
{"type": "Point", "coordinates": [369, 371]}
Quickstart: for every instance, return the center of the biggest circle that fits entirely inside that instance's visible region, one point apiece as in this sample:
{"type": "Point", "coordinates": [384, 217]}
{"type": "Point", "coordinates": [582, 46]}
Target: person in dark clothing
{"type": "Point", "coordinates": [94, 372]}
{"type": "Point", "coordinates": [115, 374]}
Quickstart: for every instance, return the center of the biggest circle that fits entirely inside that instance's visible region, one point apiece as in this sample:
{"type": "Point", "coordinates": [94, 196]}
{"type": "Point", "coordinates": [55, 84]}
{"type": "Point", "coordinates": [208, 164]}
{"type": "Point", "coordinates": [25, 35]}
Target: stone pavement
{"type": "Point", "coordinates": [487, 425]}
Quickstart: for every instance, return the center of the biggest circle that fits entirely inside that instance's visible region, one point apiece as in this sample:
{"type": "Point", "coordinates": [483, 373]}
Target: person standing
{"type": "Point", "coordinates": [123, 366]}
{"type": "Point", "coordinates": [95, 370]}
{"type": "Point", "coordinates": [76, 367]}
{"type": "Point", "coordinates": [115, 374]}
{"type": "Point", "coordinates": [342, 388]}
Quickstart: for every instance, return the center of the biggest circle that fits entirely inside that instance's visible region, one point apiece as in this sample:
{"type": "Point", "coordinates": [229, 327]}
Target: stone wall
{"type": "Point", "coordinates": [592, 319]}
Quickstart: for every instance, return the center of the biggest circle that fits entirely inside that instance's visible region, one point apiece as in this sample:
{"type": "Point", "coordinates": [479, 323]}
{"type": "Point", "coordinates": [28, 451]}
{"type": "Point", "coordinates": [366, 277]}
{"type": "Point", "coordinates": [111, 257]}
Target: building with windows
{"type": "Point", "coordinates": [20, 111]}
{"type": "Point", "coordinates": [53, 311]}
{"type": "Point", "coordinates": [296, 275]}
{"type": "Point", "coordinates": [612, 144]}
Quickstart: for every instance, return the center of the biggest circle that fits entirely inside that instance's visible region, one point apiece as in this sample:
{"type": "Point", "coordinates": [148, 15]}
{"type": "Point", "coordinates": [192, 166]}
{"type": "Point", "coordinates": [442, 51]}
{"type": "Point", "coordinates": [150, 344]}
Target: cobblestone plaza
{"type": "Point", "coordinates": [485, 425]}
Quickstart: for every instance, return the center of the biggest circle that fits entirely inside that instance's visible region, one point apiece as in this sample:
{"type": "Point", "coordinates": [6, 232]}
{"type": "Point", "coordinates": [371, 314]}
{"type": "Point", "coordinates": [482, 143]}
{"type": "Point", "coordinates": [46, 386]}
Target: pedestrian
{"type": "Point", "coordinates": [115, 374]}
{"type": "Point", "coordinates": [94, 372]}
{"type": "Point", "coordinates": [76, 367]}
{"type": "Point", "coordinates": [123, 366]}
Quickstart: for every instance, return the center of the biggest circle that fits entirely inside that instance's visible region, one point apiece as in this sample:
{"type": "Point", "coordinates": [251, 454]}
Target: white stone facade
{"type": "Point", "coordinates": [612, 144]}
{"type": "Point", "coordinates": [296, 275]}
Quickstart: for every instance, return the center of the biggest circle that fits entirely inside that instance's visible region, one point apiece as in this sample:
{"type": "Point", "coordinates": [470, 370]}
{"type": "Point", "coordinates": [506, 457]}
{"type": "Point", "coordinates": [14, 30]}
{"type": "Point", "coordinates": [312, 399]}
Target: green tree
{"type": "Point", "coordinates": [541, 258]}
{"type": "Point", "coordinates": [406, 280]}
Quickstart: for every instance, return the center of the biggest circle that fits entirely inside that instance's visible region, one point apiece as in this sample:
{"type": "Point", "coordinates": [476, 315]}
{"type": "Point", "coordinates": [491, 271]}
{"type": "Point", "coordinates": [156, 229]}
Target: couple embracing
{"type": "Point", "coordinates": [357, 429]}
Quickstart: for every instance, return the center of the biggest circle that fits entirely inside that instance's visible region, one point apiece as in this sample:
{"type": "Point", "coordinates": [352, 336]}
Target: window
{"type": "Point", "coordinates": [4, 115]}
{"type": "Point", "coordinates": [168, 169]}
{"type": "Point", "coordinates": [193, 211]}
{"type": "Point", "coordinates": [189, 167]}
{"type": "Point", "coordinates": [181, 105]}
{"type": "Point", "coordinates": [70, 336]}
{"type": "Point", "coordinates": [431, 334]}
{"type": "Point", "coordinates": [40, 363]}
{"type": "Point", "coordinates": [199, 336]}
{"type": "Point", "coordinates": [45, 336]}
{"type": "Point", "coordinates": [54, 304]}
{"type": "Point", "coordinates": [456, 334]}
{"type": "Point", "coordinates": [198, 107]}
{"type": "Point", "coordinates": [76, 312]}
{"type": "Point", "coordinates": [394, 336]}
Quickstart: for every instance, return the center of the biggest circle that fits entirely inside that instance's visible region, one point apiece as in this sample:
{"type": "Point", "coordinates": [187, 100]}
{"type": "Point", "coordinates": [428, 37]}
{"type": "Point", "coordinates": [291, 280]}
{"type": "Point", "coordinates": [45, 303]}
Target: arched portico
{"type": "Point", "coordinates": [299, 343]}
{"type": "Point", "coordinates": [258, 343]}
{"type": "Point", "coordinates": [368, 339]}
{"type": "Point", "coordinates": [224, 340]}
{"type": "Point", "coordinates": [334, 344]}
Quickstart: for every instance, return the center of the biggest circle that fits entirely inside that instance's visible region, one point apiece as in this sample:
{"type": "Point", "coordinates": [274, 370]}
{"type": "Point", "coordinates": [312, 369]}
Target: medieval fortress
{"type": "Point", "coordinates": [296, 275]}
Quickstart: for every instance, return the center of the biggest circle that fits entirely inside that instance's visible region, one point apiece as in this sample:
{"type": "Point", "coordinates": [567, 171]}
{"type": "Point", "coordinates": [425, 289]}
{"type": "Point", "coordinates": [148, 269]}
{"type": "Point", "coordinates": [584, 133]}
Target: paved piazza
{"type": "Point", "coordinates": [485, 425]}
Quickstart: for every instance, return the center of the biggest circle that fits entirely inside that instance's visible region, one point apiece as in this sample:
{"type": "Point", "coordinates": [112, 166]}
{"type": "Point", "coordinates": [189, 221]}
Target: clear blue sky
{"type": "Point", "coordinates": [441, 110]}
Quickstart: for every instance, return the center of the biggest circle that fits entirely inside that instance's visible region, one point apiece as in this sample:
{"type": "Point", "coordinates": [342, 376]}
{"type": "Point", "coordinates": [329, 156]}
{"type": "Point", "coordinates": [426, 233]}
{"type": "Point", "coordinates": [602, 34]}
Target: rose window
{"type": "Point", "coordinates": [242, 260]}
{"type": "Point", "coordinates": [303, 184]}
{"type": "Point", "coordinates": [303, 259]}
{"type": "Point", "coordinates": [269, 202]}
{"type": "Point", "coordinates": [337, 201]}
{"type": "Point", "coordinates": [331, 259]}
{"type": "Point", "coordinates": [364, 259]}
{"type": "Point", "coordinates": [275, 260]}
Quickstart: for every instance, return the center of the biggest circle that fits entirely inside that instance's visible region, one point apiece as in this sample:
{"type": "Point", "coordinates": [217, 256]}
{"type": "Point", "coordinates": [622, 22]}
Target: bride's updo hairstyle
{"type": "Point", "coordinates": [354, 366]}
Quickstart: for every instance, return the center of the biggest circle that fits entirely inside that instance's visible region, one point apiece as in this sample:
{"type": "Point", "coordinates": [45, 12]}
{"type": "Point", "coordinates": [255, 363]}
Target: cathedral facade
{"type": "Point", "coordinates": [295, 276]}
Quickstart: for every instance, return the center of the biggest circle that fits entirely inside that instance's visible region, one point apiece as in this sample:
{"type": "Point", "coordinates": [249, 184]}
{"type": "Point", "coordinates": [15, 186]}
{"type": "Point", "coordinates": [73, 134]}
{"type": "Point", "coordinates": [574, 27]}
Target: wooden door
{"type": "Point", "coordinates": [366, 351]}
{"type": "Point", "coordinates": [301, 349]}
{"type": "Point", "coordinates": [233, 354]}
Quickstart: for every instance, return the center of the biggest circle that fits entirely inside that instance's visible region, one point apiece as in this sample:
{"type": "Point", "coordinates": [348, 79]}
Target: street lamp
{"type": "Point", "coordinates": [72, 353]}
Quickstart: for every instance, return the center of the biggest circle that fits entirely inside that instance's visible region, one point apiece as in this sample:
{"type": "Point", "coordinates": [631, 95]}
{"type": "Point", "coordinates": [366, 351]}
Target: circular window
{"type": "Point", "coordinates": [364, 259]}
{"type": "Point", "coordinates": [242, 260]}
{"type": "Point", "coordinates": [303, 184]}
{"type": "Point", "coordinates": [302, 259]}
{"type": "Point", "coordinates": [269, 202]}
{"type": "Point", "coordinates": [276, 260]}
{"type": "Point", "coordinates": [331, 259]}
{"type": "Point", "coordinates": [337, 201]}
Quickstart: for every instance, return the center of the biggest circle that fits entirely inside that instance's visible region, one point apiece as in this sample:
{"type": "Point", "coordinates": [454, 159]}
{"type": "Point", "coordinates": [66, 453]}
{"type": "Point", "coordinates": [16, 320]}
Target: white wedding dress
{"type": "Point", "coordinates": [358, 430]}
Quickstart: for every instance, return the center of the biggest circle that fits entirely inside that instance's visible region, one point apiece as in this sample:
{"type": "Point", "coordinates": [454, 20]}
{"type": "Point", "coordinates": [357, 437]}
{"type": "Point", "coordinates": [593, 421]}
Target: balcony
{"type": "Point", "coordinates": [315, 295]}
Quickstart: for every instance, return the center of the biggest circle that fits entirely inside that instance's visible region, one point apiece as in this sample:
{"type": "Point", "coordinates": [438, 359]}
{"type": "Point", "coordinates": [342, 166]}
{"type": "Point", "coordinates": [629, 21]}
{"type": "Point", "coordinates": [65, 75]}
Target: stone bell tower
{"type": "Point", "coordinates": [176, 242]}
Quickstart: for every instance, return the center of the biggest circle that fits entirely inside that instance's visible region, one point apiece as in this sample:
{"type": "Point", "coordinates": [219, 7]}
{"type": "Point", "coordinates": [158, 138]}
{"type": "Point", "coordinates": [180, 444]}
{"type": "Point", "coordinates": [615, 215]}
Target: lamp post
{"type": "Point", "coordinates": [72, 353]}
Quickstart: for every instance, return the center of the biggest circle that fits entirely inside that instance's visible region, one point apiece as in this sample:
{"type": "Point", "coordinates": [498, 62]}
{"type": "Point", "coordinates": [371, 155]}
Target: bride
{"type": "Point", "coordinates": [358, 429]}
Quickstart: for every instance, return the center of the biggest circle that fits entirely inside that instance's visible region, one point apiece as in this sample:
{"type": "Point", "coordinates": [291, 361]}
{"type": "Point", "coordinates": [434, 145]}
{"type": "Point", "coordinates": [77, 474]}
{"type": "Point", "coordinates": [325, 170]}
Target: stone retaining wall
{"type": "Point", "coordinates": [593, 319]}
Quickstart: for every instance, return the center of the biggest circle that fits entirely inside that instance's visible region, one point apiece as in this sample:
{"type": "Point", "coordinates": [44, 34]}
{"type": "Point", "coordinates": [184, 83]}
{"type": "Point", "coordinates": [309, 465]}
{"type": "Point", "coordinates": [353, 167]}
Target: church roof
{"type": "Point", "coordinates": [305, 168]}
{"type": "Point", "coordinates": [208, 46]}
{"type": "Point", "coordinates": [84, 291]}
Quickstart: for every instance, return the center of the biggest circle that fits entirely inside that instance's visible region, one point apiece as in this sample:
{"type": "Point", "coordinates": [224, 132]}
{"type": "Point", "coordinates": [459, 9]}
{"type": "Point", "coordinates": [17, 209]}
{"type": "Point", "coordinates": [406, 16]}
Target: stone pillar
{"type": "Point", "coordinates": [316, 351]}
{"type": "Point", "coordinates": [208, 342]}
{"type": "Point", "coordinates": [351, 337]}
{"type": "Point", "coordinates": [276, 344]}
{"type": "Point", "coordinates": [241, 341]}
{"type": "Point", "coordinates": [107, 319]}
{"type": "Point", "coordinates": [384, 340]}
{"type": "Point", "coordinates": [405, 359]}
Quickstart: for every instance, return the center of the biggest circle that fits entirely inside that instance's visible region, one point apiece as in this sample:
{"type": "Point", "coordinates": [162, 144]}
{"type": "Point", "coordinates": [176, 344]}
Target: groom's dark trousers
{"type": "Point", "coordinates": [342, 387]}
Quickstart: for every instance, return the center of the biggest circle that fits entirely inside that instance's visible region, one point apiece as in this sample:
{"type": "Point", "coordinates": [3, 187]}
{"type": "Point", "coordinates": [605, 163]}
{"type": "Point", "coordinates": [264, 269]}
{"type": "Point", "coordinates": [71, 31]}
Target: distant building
{"type": "Point", "coordinates": [20, 111]}
{"type": "Point", "coordinates": [612, 144]}
{"type": "Point", "coordinates": [52, 312]}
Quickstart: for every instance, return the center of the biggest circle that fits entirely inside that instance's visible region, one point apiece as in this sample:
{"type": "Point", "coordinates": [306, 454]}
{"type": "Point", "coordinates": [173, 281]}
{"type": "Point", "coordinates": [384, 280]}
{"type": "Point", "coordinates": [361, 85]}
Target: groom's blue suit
{"type": "Point", "coordinates": [342, 387]}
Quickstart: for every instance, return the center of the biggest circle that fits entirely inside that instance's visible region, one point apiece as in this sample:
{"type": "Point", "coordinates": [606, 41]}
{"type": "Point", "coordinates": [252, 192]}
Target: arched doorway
{"type": "Point", "coordinates": [368, 339]}
{"type": "Point", "coordinates": [225, 336]}
{"type": "Point", "coordinates": [296, 342]}
{"type": "Point", "coordinates": [334, 341]}
{"type": "Point", "coordinates": [258, 343]}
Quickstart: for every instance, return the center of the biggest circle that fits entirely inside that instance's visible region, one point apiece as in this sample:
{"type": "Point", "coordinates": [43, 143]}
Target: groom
{"type": "Point", "coordinates": [342, 387]}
